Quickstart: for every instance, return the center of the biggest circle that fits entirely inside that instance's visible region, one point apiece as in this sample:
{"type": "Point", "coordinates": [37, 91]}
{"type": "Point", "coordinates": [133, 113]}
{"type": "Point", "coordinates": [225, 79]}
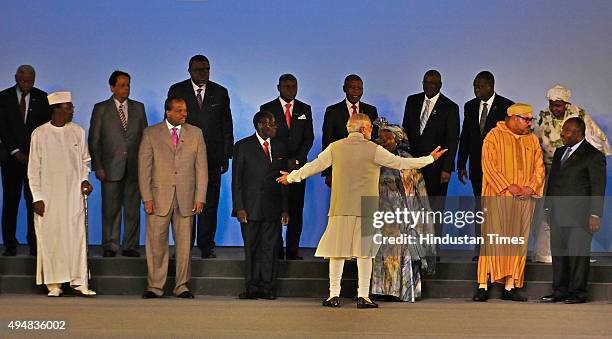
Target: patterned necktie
{"type": "Point", "coordinates": [288, 115]}
{"type": "Point", "coordinates": [483, 117]}
{"type": "Point", "coordinates": [354, 110]}
{"type": "Point", "coordinates": [425, 115]}
{"type": "Point", "coordinates": [174, 137]}
{"type": "Point", "coordinates": [199, 97]}
{"type": "Point", "coordinates": [266, 150]}
{"type": "Point", "coordinates": [22, 107]}
{"type": "Point", "coordinates": [122, 117]}
{"type": "Point", "coordinates": [566, 155]}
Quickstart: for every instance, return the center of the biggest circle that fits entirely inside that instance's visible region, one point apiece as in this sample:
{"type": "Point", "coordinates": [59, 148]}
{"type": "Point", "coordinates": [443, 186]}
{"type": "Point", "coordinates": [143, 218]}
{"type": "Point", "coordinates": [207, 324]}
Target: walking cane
{"type": "Point", "coordinates": [86, 233]}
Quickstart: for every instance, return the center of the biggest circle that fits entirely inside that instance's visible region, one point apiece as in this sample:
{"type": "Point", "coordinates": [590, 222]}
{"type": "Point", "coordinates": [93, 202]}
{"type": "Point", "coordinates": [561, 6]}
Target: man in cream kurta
{"type": "Point", "coordinates": [58, 170]}
{"type": "Point", "coordinates": [356, 170]}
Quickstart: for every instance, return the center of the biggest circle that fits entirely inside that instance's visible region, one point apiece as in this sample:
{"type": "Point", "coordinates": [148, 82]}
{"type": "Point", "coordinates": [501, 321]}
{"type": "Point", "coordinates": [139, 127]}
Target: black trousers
{"type": "Point", "coordinates": [14, 179]}
{"type": "Point", "coordinates": [570, 248]}
{"type": "Point", "coordinates": [260, 255]}
{"type": "Point", "coordinates": [205, 224]}
{"type": "Point", "coordinates": [477, 190]}
{"type": "Point", "coordinates": [296, 218]}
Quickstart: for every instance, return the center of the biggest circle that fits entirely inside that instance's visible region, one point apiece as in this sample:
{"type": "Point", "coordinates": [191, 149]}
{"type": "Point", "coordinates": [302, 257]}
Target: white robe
{"type": "Point", "coordinates": [59, 163]}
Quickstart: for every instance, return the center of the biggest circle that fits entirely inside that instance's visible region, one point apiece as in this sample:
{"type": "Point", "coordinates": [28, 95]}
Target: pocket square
{"type": "Point", "coordinates": [302, 117]}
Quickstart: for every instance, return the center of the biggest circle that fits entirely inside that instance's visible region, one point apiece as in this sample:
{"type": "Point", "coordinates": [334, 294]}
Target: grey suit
{"type": "Point", "coordinates": [115, 151]}
{"type": "Point", "coordinates": [174, 181]}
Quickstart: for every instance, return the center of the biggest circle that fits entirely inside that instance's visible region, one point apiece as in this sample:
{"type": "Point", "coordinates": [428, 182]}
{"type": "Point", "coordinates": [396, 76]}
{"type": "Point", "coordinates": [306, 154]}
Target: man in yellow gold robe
{"type": "Point", "coordinates": [513, 175]}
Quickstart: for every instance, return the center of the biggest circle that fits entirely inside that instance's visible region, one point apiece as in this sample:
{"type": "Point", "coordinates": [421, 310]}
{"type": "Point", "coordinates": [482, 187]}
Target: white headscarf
{"type": "Point", "coordinates": [558, 92]}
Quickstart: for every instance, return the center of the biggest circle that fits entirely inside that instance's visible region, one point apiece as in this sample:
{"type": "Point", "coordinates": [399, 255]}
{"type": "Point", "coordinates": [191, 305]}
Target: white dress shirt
{"type": "Point", "coordinates": [261, 142]}
{"type": "Point", "coordinates": [489, 104]}
{"type": "Point", "coordinates": [125, 107]}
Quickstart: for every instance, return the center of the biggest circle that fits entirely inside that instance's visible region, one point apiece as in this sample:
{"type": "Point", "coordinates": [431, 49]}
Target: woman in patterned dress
{"type": "Point", "coordinates": [397, 268]}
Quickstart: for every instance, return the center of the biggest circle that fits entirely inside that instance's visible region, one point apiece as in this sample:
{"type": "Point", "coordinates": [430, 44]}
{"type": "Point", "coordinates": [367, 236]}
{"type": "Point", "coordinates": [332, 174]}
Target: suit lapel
{"type": "Point", "coordinates": [345, 112]}
{"type": "Point", "coordinates": [166, 135]}
{"type": "Point", "coordinates": [280, 114]}
{"type": "Point", "coordinates": [576, 154]}
{"type": "Point", "coordinates": [263, 158]}
{"type": "Point", "coordinates": [114, 113]}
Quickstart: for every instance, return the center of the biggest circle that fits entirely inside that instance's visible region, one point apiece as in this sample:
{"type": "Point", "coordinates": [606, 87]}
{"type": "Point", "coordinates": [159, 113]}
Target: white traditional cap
{"type": "Point", "coordinates": [558, 92]}
{"type": "Point", "coordinates": [59, 98]}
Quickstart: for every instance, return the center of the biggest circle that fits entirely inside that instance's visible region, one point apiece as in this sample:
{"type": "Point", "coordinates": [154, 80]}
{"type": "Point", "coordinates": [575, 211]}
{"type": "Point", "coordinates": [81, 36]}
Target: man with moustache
{"type": "Point", "coordinates": [23, 108]}
{"type": "Point", "coordinates": [208, 107]}
{"type": "Point", "coordinates": [115, 132]}
{"type": "Point", "coordinates": [337, 116]}
{"type": "Point", "coordinates": [430, 120]}
{"type": "Point", "coordinates": [58, 173]}
{"type": "Point", "coordinates": [513, 176]}
{"type": "Point", "coordinates": [172, 176]}
{"type": "Point", "coordinates": [481, 114]}
{"type": "Point", "coordinates": [260, 204]}
{"type": "Point", "coordinates": [295, 132]}
{"type": "Point", "coordinates": [575, 197]}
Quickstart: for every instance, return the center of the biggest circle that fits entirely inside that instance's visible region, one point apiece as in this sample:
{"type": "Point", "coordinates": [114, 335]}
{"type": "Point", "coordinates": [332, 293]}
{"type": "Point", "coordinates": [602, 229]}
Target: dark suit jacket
{"type": "Point", "coordinates": [582, 181]}
{"type": "Point", "coordinates": [254, 186]}
{"type": "Point", "coordinates": [14, 133]}
{"type": "Point", "coordinates": [470, 143]}
{"type": "Point", "coordinates": [442, 129]}
{"type": "Point", "coordinates": [297, 140]}
{"type": "Point", "coordinates": [214, 119]}
{"type": "Point", "coordinates": [113, 149]}
{"type": "Point", "coordinates": [334, 124]}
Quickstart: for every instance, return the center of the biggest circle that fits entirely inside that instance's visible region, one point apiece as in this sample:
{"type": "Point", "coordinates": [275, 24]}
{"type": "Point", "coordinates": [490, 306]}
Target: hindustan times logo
{"type": "Point", "coordinates": [412, 218]}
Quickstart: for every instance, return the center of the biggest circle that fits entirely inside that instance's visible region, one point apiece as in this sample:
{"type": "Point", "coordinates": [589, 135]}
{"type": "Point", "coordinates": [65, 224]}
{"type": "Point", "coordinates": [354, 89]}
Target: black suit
{"type": "Point", "coordinates": [215, 121]}
{"type": "Point", "coordinates": [15, 134]}
{"type": "Point", "coordinates": [297, 142]}
{"type": "Point", "coordinates": [470, 145]}
{"type": "Point", "coordinates": [575, 191]}
{"type": "Point", "coordinates": [255, 190]}
{"type": "Point", "coordinates": [442, 129]}
{"type": "Point", "coordinates": [334, 124]}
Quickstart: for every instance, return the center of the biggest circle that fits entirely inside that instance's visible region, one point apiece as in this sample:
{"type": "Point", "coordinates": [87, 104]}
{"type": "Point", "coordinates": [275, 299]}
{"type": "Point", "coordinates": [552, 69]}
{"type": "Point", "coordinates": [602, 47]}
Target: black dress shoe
{"type": "Point", "coordinates": [332, 302]}
{"type": "Point", "coordinates": [186, 295]}
{"type": "Point", "coordinates": [266, 295]}
{"type": "Point", "coordinates": [514, 295]}
{"type": "Point", "coordinates": [481, 295]}
{"type": "Point", "coordinates": [552, 298]}
{"type": "Point", "coordinates": [575, 300]}
{"type": "Point", "coordinates": [33, 251]}
{"type": "Point", "coordinates": [10, 252]}
{"type": "Point", "coordinates": [294, 257]}
{"type": "Point", "coordinates": [109, 254]}
{"type": "Point", "coordinates": [366, 303]}
{"type": "Point", "coordinates": [149, 295]}
{"type": "Point", "coordinates": [209, 254]}
{"type": "Point", "coordinates": [247, 295]}
{"type": "Point", "coordinates": [130, 253]}
{"type": "Point", "coordinates": [475, 258]}
{"type": "Point", "coordinates": [438, 258]}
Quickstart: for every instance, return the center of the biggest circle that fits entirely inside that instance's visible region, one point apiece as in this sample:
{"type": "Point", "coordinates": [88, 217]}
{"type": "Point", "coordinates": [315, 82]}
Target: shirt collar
{"type": "Point", "coordinates": [19, 93]}
{"type": "Point", "coordinates": [575, 147]}
{"type": "Point", "coordinates": [170, 126]}
{"type": "Point", "coordinates": [283, 102]}
{"type": "Point", "coordinates": [488, 102]}
{"type": "Point", "coordinates": [117, 103]}
{"type": "Point", "coordinates": [349, 105]}
{"type": "Point", "coordinates": [432, 101]}
{"type": "Point", "coordinates": [261, 140]}
{"type": "Point", "coordinates": [196, 87]}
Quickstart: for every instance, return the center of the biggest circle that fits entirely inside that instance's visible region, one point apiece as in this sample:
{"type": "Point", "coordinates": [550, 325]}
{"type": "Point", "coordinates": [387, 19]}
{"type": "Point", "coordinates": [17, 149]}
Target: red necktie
{"type": "Point", "coordinates": [266, 150]}
{"type": "Point", "coordinates": [288, 115]}
{"type": "Point", "coordinates": [22, 107]}
{"type": "Point", "coordinates": [354, 108]}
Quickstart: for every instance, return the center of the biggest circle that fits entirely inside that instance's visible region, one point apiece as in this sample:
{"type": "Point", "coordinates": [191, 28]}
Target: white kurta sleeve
{"type": "Point", "coordinates": [323, 161]}
{"type": "Point", "coordinates": [387, 159]}
{"type": "Point", "coordinates": [85, 169]}
{"type": "Point", "coordinates": [34, 169]}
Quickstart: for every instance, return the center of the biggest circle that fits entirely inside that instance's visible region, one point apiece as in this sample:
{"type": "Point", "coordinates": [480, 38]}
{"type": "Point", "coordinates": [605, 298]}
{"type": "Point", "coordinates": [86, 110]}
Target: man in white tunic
{"type": "Point", "coordinates": [356, 170]}
{"type": "Point", "coordinates": [58, 170]}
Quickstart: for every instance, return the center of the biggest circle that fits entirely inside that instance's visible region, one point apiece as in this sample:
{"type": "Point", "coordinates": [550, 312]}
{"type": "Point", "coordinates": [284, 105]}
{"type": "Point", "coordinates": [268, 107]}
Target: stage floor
{"type": "Point", "coordinates": [206, 316]}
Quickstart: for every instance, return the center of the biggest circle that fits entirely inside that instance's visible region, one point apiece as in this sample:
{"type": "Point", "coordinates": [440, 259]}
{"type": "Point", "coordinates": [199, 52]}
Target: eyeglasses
{"type": "Point", "coordinates": [525, 119]}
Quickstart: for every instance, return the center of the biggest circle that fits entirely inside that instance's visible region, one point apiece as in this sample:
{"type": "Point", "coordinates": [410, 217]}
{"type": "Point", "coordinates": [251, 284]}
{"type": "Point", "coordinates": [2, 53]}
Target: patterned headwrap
{"type": "Point", "coordinates": [559, 92]}
{"type": "Point", "coordinates": [400, 136]}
